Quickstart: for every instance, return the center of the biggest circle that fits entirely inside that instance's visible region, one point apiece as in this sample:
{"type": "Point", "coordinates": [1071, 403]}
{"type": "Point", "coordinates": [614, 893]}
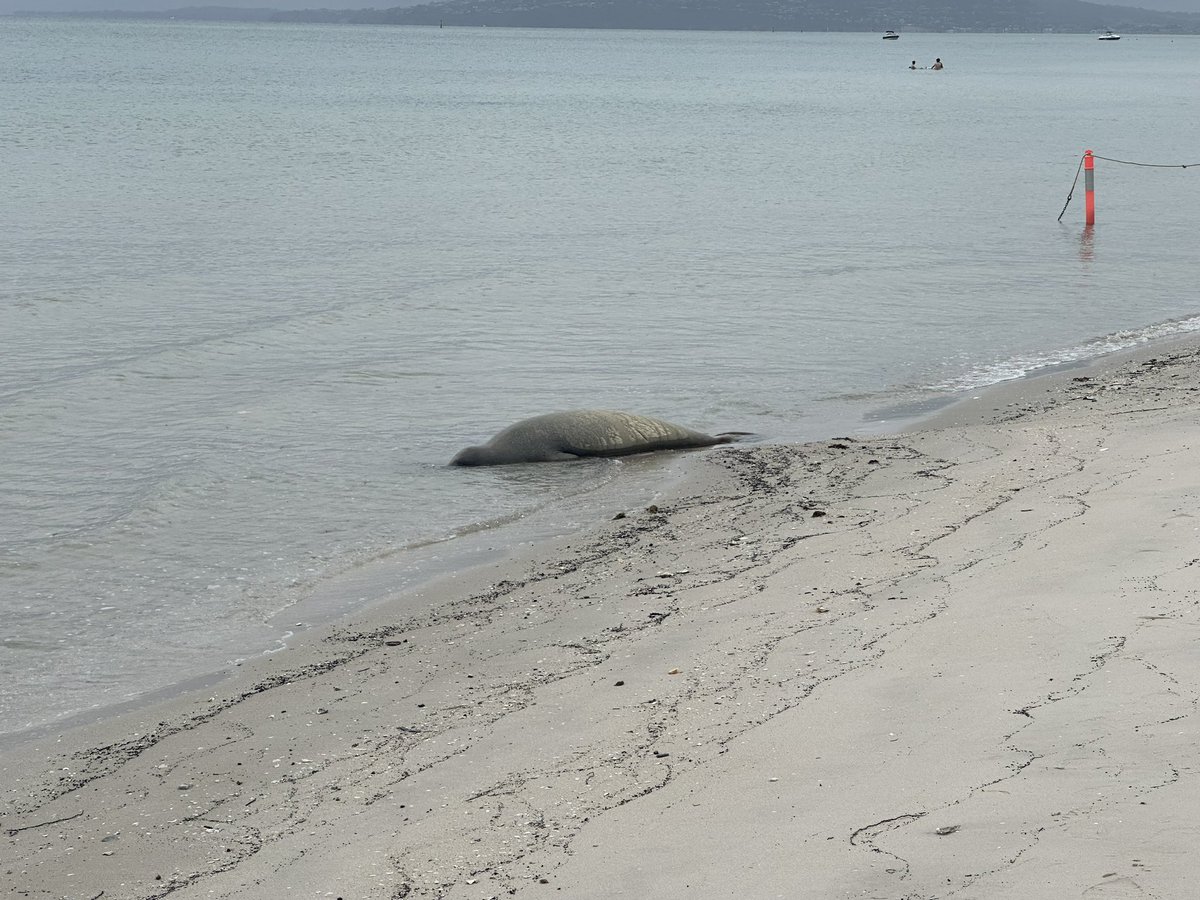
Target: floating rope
{"type": "Point", "coordinates": [1123, 162]}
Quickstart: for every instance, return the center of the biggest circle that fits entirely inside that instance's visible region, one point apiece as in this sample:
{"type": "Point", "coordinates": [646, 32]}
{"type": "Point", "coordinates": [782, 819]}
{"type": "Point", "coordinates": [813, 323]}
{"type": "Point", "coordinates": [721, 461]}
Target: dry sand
{"type": "Point", "coordinates": [961, 662]}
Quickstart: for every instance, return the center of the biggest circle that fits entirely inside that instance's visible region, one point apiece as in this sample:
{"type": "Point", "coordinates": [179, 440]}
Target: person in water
{"type": "Point", "coordinates": [914, 64]}
{"type": "Point", "coordinates": [937, 64]}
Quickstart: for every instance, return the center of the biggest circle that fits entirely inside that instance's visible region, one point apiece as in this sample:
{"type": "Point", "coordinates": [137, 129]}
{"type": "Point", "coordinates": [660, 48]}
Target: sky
{"type": "Point", "coordinates": [158, 5]}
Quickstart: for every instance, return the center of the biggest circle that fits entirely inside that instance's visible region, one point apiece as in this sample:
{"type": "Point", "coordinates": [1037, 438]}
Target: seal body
{"type": "Point", "coordinates": [582, 433]}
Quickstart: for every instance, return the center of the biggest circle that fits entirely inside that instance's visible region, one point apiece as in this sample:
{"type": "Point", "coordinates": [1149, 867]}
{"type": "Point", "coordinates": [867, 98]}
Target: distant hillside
{"type": "Point", "coordinates": [1071, 16]}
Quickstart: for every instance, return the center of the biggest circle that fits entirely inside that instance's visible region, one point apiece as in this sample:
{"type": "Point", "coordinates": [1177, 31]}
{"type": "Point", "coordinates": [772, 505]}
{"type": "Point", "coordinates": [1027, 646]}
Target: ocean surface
{"type": "Point", "coordinates": [258, 283]}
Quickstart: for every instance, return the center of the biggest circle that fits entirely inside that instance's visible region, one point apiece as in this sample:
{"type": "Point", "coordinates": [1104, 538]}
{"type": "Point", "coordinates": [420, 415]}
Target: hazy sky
{"type": "Point", "coordinates": [158, 5]}
{"type": "Point", "coordinates": [83, 5]}
{"type": "Point", "coordinates": [138, 5]}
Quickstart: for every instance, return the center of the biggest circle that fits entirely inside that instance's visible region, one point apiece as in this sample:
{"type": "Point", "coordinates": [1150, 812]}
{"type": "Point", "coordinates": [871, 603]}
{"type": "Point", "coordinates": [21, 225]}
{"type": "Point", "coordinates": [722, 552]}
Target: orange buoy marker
{"type": "Point", "coordinates": [1089, 187]}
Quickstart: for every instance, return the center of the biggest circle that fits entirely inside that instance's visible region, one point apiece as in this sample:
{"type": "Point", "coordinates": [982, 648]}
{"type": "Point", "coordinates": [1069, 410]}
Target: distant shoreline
{"type": "Point", "coordinates": [511, 14]}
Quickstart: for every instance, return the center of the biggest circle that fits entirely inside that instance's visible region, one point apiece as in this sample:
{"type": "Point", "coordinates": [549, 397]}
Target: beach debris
{"type": "Point", "coordinates": [947, 829]}
{"type": "Point", "coordinates": [186, 786]}
{"type": "Point", "coordinates": [619, 515]}
{"type": "Point", "coordinates": [652, 508]}
{"type": "Point", "coordinates": [660, 754]}
{"type": "Point", "coordinates": [673, 672]}
{"type": "Point", "coordinates": [822, 609]}
{"type": "Point", "coordinates": [818, 513]}
{"type": "Point", "coordinates": [619, 684]}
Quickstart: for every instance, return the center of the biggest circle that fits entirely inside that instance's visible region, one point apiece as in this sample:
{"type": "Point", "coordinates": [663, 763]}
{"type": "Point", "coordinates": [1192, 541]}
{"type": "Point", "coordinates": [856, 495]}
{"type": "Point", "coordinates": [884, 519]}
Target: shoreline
{"type": "Point", "coordinates": [389, 579]}
{"type": "Point", "coordinates": [386, 579]}
{"type": "Point", "coordinates": [402, 573]}
{"type": "Point", "coordinates": [780, 644]}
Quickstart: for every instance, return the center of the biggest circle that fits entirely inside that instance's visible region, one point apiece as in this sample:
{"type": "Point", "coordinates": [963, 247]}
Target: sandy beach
{"type": "Point", "coordinates": [958, 662]}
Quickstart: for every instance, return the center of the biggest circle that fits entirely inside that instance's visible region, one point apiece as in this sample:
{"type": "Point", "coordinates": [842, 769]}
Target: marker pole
{"type": "Point", "coordinates": [1089, 186]}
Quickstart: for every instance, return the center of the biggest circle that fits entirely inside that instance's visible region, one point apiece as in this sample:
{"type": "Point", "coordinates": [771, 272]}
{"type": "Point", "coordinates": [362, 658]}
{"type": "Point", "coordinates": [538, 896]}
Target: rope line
{"type": "Point", "coordinates": [1071, 192]}
{"type": "Point", "coordinates": [1126, 162]}
{"type": "Point", "coordinates": [1123, 162]}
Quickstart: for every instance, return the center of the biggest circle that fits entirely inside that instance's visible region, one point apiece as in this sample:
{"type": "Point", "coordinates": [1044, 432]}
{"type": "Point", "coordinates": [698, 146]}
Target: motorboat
{"type": "Point", "coordinates": [1110, 36]}
{"type": "Point", "coordinates": [891, 36]}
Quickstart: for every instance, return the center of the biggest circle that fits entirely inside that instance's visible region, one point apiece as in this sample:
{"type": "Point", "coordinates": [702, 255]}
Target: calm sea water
{"type": "Point", "coordinates": [259, 283]}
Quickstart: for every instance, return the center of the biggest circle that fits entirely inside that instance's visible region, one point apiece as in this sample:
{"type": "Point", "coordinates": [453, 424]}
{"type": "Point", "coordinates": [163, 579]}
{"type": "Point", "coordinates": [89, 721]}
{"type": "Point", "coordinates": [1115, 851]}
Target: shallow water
{"type": "Point", "coordinates": [261, 282]}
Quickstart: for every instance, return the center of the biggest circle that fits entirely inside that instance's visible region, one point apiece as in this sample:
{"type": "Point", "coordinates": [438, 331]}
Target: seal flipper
{"type": "Point", "coordinates": [561, 456]}
{"type": "Point", "coordinates": [640, 448]}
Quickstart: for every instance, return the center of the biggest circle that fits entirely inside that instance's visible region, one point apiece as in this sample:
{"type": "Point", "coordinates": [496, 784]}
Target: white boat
{"type": "Point", "coordinates": [1110, 36]}
{"type": "Point", "coordinates": [891, 36]}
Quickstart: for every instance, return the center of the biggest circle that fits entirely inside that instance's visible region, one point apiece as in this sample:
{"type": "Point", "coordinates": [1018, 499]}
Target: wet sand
{"type": "Point", "coordinates": [959, 662]}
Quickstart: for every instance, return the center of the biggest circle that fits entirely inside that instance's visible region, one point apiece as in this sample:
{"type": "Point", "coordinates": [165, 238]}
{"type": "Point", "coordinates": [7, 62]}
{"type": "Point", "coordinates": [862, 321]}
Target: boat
{"type": "Point", "coordinates": [891, 36]}
{"type": "Point", "coordinates": [1110, 36]}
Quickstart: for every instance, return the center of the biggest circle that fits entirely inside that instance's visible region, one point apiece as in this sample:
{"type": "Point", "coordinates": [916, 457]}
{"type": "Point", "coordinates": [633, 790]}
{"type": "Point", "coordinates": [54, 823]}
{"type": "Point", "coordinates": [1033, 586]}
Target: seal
{"type": "Point", "coordinates": [583, 433]}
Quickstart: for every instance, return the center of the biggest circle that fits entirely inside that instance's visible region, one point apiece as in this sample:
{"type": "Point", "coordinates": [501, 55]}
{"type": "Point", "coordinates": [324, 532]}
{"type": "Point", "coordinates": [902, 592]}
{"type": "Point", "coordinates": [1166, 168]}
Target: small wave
{"type": "Point", "coordinates": [545, 488]}
{"type": "Point", "coordinates": [370, 375]}
{"type": "Point", "coordinates": [1093, 348]}
{"type": "Point", "coordinates": [550, 484]}
{"type": "Point", "coordinates": [34, 645]}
